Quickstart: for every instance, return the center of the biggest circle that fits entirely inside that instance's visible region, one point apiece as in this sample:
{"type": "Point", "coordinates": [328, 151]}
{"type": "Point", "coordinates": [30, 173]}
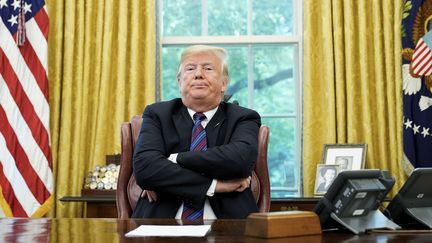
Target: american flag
{"type": "Point", "coordinates": [422, 57]}
{"type": "Point", "coordinates": [26, 178]}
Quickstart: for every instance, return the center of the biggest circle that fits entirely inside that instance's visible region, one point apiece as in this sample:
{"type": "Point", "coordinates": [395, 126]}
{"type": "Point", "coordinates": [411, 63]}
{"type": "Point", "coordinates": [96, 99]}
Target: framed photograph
{"type": "Point", "coordinates": [325, 175]}
{"type": "Point", "coordinates": [347, 156]}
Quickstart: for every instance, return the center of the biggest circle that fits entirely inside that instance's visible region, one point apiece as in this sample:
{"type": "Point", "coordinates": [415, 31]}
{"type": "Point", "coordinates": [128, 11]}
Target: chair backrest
{"type": "Point", "coordinates": [128, 191]}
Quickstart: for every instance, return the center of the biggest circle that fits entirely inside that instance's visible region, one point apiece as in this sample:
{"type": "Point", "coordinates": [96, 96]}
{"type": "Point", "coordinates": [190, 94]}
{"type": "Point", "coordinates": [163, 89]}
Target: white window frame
{"type": "Point", "coordinates": [296, 39]}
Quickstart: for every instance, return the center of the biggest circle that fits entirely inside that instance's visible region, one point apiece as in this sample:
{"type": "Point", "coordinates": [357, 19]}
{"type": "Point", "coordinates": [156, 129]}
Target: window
{"type": "Point", "coordinates": [263, 40]}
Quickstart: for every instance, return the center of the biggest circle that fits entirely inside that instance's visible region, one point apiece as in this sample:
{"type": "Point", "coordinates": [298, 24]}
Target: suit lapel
{"type": "Point", "coordinates": [183, 124]}
{"type": "Point", "coordinates": [214, 126]}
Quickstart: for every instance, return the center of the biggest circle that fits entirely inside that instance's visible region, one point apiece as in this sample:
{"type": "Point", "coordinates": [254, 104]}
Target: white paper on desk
{"type": "Point", "coordinates": [169, 230]}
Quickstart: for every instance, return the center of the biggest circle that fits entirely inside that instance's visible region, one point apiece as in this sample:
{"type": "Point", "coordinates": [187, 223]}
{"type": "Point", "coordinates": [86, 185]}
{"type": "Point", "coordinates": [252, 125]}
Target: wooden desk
{"type": "Point", "coordinates": [294, 203]}
{"type": "Point", "coordinates": [97, 206]}
{"type": "Point", "coordinates": [113, 230]}
{"type": "Point", "coordinates": [104, 206]}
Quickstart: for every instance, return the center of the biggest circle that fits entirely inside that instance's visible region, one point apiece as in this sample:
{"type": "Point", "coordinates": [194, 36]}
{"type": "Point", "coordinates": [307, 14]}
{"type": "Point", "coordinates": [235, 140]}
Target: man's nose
{"type": "Point", "coordinates": [198, 72]}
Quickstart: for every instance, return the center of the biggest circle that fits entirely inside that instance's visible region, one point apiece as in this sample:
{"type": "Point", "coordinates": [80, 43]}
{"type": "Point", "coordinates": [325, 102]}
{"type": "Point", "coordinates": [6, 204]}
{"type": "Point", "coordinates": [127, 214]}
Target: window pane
{"type": "Point", "coordinates": [272, 17]}
{"type": "Point", "coordinates": [181, 18]}
{"type": "Point", "coordinates": [283, 169]}
{"type": "Point", "coordinates": [237, 66]}
{"type": "Point", "coordinates": [227, 17]}
{"type": "Point", "coordinates": [274, 87]}
{"type": "Point", "coordinates": [170, 62]}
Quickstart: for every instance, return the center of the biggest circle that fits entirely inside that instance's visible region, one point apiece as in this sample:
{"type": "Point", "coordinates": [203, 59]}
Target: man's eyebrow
{"type": "Point", "coordinates": [208, 63]}
{"type": "Point", "coordinates": [195, 64]}
{"type": "Point", "coordinates": [190, 64]}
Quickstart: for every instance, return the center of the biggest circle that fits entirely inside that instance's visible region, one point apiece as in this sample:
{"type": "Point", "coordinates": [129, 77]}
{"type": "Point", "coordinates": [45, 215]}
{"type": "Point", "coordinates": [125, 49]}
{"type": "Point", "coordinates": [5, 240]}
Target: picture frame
{"type": "Point", "coordinates": [348, 156]}
{"type": "Point", "coordinates": [325, 175]}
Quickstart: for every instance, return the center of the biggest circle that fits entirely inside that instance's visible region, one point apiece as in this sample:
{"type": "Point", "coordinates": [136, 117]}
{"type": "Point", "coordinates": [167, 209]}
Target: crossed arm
{"type": "Point", "coordinates": [191, 176]}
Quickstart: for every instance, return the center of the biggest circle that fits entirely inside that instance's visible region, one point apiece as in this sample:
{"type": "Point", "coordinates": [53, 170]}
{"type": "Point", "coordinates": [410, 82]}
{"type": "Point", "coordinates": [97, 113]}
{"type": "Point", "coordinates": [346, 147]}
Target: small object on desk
{"type": "Point", "coordinates": [169, 230]}
{"type": "Point", "coordinates": [100, 186]}
{"type": "Point", "coordinates": [282, 224]}
{"type": "Point", "coordinates": [102, 180]}
{"type": "Point", "coordinates": [93, 185]}
{"type": "Point", "coordinates": [107, 186]}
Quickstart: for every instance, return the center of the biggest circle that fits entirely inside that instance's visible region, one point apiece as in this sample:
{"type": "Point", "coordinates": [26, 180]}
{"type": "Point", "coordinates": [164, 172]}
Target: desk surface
{"type": "Point", "coordinates": [112, 198]}
{"type": "Point", "coordinates": [89, 198]}
{"type": "Point", "coordinates": [104, 205]}
{"type": "Point", "coordinates": [113, 230]}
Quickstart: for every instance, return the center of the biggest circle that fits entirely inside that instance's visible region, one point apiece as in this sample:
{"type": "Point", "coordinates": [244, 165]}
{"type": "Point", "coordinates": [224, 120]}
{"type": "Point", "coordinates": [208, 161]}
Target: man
{"type": "Point", "coordinates": [209, 178]}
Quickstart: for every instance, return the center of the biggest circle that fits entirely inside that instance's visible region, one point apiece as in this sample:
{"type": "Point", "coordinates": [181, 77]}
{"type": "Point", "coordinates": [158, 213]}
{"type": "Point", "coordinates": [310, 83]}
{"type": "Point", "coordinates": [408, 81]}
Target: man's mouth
{"type": "Point", "coordinates": [199, 85]}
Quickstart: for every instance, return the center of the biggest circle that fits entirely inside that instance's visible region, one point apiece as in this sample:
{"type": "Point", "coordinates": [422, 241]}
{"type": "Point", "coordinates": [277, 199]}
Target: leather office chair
{"type": "Point", "coordinates": [128, 191]}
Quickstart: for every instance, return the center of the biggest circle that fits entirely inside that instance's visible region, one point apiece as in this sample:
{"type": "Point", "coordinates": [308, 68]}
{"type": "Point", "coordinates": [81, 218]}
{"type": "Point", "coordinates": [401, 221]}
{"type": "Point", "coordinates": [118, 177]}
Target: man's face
{"type": "Point", "coordinates": [329, 175]}
{"type": "Point", "coordinates": [201, 81]}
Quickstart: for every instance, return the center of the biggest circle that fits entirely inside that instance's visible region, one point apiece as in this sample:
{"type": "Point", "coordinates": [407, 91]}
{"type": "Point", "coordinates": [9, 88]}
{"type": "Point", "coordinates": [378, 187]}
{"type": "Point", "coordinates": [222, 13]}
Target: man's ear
{"type": "Point", "coordinates": [224, 85]}
{"type": "Point", "coordinates": [179, 84]}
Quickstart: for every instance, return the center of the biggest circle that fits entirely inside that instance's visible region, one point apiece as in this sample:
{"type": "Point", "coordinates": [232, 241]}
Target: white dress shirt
{"type": "Point", "coordinates": [208, 211]}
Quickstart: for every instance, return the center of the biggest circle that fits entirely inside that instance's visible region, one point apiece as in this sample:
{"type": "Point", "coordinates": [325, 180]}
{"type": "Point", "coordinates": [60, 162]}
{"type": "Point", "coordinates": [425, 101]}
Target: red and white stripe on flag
{"type": "Point", "coordinates": [26, 177]}
{"type": "Point", "coordinates": [422, 59]}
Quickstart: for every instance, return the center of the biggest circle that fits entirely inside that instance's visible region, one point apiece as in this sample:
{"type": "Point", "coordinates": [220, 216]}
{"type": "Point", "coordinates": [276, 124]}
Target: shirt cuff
{"type": "Point", "coordinates": [212, 188]}
{"type": "Point", "coordinates": [173, 158]}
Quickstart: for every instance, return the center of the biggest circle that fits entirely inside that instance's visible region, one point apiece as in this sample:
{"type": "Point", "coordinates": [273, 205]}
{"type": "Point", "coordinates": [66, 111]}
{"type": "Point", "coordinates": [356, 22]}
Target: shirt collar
{"type": "Point", "coordinates": [209, 115]}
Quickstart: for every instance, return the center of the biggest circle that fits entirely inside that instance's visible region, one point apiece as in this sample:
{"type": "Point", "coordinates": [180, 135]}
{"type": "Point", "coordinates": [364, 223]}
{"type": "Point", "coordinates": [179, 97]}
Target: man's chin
{"type": "Point", "coordinates": [199, 95]}
{"type": "Point", "coordinates": [198, 98]}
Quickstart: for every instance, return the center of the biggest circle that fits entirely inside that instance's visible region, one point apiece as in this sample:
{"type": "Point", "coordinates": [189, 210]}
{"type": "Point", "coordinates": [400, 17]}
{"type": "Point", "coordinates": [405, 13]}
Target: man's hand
{"type": "Point", "coordinates": [236, 185]}
{"type": "Point", "coordinates": [151, 195]}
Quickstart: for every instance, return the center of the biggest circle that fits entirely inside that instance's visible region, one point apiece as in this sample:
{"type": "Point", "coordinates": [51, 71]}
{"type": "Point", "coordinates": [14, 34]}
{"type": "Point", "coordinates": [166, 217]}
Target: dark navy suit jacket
{"type": "Point", "coordinates": [232, 140]}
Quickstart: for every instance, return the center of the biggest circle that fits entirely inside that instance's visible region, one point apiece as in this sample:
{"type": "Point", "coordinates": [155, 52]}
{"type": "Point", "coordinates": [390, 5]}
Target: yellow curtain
{"type": "Point", "coordinates": [353, 82]}
{"type": "Point", "coordinates": [101, 73]}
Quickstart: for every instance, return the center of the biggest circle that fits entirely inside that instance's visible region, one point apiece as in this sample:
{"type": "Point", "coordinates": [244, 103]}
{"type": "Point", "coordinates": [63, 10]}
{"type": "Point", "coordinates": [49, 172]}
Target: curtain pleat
{"type": "Point", "coordinates": [353, 82]}
{"type": "Point", "coordinates": [102, 72]}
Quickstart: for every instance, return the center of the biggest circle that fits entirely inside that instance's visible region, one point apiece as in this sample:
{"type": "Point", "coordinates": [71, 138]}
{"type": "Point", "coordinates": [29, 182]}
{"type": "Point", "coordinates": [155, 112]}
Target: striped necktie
{"type": "Point", "coordinates": [198, 143]}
